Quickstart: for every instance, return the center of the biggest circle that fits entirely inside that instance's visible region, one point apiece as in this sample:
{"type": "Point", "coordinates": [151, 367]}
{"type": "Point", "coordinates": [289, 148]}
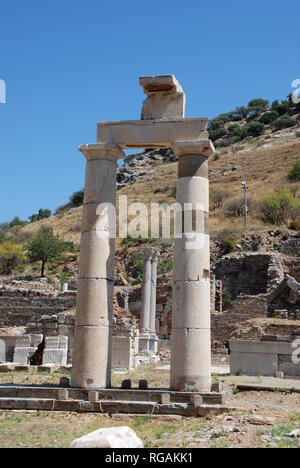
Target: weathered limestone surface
{"type": "Point", "coordinates": [148, 339]}
{"type": "Point", "coordinates": [26, 346]}
{"type": "Point", "coordinates": [165, 98]}
{"type": "Point", "coordinates": [7, 345]}
{"type": "Point", "coordinates": [111, 437]}
{"type": "Point", "coordinates": [56, 350]}
{"type": "Point", "coordinates": [93, 323]}
{"type": "Point", "coordinates": [164, 126]}
{"type": "Point", "coordinates": [262, 358]}
{"type": "Point", "coordinates": [152, 133]}
{"type": "Point", "coordinates": [191, 340]}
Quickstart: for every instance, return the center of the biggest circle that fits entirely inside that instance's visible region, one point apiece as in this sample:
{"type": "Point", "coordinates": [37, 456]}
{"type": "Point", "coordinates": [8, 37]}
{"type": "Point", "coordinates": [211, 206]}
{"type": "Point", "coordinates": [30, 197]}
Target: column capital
{"type": "Point", "coordinates": [203, 147]}
{"type": "Point", "coordinates": [150, 253]}
{"type": "Point", "coordinates": [102, 151]}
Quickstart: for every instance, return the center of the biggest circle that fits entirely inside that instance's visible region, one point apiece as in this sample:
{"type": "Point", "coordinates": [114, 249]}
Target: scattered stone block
{"type": "Point", "coordinates": [196, 400]}
{"type": "Point", "coordinates": [279, 375]}
{"type": "Point", "coordinates": [93, 395]}
{"type": "Point", "coordinates": [66, 368]}
{"type": "Point", "coordinates": [25, 348]}
{"type": "Point", "coordinates": [165, 398]}
{"type": "Point", "coordinates": [64, 382]}
{"type": "Point", "coordinates": [21, 367]}
{"type": "Point", "coordinates": [56, 350]}
{"type": "Point", "coordinates": [7, 367]}
{"type": "Point", "coordinates": [126, 383]}
{"type": "Point", "coordinates": [294, 434]}
{"type": "Point", "coordinates": [49, 368]}
{"type": "Point", "coordinates": [63, 394]}
{"type": "Point", "coordinates": [112, 437]}
{"type": "Point", "coordinates": [143, 384]}
{"type": "Point", "coordinates": [217, 386]}
{"type": "Point", "coordinates": [166, 98]}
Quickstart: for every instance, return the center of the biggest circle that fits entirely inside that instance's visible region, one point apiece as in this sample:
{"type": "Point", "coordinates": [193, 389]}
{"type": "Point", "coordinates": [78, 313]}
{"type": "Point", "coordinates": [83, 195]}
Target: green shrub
{"type": "Point", "coordinates": [217, 133]}
{"type": "Point", "coordinates": [294, 173]}
{"type": "Point", "coordinates": [137, 262]}
{"type": "Point", "coordinates": [164, 267]}
{"type": "Point", "coordinates": [278, 207]}
{"type": "Point", "coordinates": [219, 121]}
{"type": "Point", "coordinates": [284, 122]}
{"type": "Point", "coordinates": [254, 128]}
{"type": "Point", "coordinates": [283, 108]}
{"type": "Point", "coordinates": [17, 222]}
{"type": "Point", "coordinates": [227, 240]}
{"type": "Point", "coordinates": [11, 255]}
{"type": "Point", "coordinates": [218, 196]}
{"type": "Point", "coordinates": [76, 199]}
{"type": "Point", "coordinates": [64, 276]}
{"type": "Point", "coordinates": [237, 131]}
{"type": "Point", "coordinates": [226, 298]}
{"type": "Point", "coordinates": [258, 104]}
{"type": "Point", "coordinates": [269, 117]}
{"type": "Point", "coordinates": [42, 214]}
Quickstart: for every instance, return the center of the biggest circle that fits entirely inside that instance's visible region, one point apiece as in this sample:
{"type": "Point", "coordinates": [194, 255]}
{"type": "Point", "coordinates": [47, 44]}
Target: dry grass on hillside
{"type": "Point", "coordinates": [264, 164]}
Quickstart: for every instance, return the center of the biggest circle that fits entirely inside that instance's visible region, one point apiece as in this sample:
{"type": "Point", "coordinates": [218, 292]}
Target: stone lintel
{"type": "Point", "coordinates": [201, 147]}
{"type": "Point", "coordinates": [151, 133]}
{"type": "Point", "coordinates": [104, 151]}
{"type": "Point", "coordinates": [160, 83]}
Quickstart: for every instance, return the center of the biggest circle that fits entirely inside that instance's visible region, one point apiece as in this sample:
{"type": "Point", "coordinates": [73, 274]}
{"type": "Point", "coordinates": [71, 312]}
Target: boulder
{"type": "Point", "coordinates": [109, 437]}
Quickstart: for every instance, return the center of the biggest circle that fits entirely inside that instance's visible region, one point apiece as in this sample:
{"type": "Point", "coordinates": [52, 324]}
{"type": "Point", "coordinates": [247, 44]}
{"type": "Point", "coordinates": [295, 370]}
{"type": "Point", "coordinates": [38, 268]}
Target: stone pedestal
{"type": "Point", "coordinates": [191, 340]}
{"type": "Point", "coordinates": [94, 312]}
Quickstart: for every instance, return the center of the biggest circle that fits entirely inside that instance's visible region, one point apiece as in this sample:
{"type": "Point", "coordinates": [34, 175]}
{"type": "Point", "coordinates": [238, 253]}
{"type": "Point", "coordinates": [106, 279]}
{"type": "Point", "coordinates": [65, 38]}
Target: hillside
{"type": "Point", "coordinates": [262, 162]}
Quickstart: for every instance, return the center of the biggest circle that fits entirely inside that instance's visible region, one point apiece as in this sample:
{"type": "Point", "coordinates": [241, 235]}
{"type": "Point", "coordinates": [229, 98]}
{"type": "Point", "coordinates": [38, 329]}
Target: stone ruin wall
{"type": "Point", "coordinates": [43, 311]}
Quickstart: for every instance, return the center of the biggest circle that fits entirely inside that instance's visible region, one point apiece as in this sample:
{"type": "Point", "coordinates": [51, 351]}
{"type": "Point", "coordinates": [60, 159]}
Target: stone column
{"type": "Point", "coordinates": [153, 337]}
{"type": "Point", "coordinates": [146, 290]}
{"type": "Point", "coordinates": [191, 339]}
{"type": "Point", "coordinates": [94, 307]}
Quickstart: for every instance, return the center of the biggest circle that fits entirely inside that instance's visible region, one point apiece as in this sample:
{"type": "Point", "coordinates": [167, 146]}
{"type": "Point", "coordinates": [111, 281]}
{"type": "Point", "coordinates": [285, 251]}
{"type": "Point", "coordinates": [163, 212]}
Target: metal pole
{"type": "Point", "coordinates": [244, 185]}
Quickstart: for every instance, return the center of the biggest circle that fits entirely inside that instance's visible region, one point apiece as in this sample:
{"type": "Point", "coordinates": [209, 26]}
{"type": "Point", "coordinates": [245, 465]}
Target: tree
{"type": "Point", "coordinates": [254, 128]}
{"type": "Point", "coordinates": [44, 247]}
{"type": "Point", "coordinates": [242, 111]}
{"type": "Point", "coordinates": [11, 255]}
{"type": "Point", "coordinates": [216, 134]}
{"type": "Point", "coordinates": [294, 173]}
{"type": "Point", "coordinates": [258, 104]}
{"type": "Point", "coordinates": [76, 199]}
{"type": "Point", "coordinates": [269, 117]}
{"type": "Point", "coordinates": [237, 132]}
{"type": "Point", "coordinates": [43, 213]}
{"type": "Point", "coordinates": [283, 108]}
{"type": "Point", "coordinates": [17, 222]}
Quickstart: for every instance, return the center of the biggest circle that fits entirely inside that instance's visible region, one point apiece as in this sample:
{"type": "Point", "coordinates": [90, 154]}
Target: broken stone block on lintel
{"type": "Point", "coordinates": [165, 98]}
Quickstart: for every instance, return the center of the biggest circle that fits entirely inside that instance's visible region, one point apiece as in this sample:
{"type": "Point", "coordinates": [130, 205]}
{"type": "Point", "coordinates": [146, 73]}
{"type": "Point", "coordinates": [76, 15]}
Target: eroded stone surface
{"type": "Point", "coordinates": [112, 437]}
{"type": "Point", "coordinates": [165, 98]}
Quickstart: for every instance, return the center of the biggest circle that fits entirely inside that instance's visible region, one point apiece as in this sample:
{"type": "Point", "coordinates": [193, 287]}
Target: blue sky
{"type": "Point", "coordinates": [68, 64]}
